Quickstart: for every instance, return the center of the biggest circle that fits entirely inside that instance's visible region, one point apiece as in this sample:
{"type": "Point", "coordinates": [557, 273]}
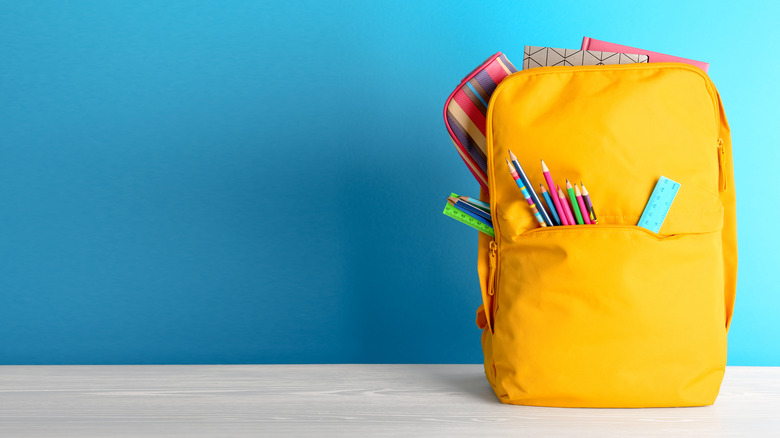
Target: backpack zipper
{"type": "Point", "coordinates": [491, 286]}
{"type": "Point", "coordinates": [721, 165]}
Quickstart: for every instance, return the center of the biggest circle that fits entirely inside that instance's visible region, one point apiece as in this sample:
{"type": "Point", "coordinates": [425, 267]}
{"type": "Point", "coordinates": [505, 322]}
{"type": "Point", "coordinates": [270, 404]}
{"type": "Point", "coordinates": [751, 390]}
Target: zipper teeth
{"type": "Point", "coordinates": [495, 293]}
{"type": "Point", "coordinates": [492, 285]}
{"type": "Point", "coordinates": [491, 174]}
{"type": "Point", "coordinates": [721, 165]}
{"type": "Point", "coordinates": [596, 228]}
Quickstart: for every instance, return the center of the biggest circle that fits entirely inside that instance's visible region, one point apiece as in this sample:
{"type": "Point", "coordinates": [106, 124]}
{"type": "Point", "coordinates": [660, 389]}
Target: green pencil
{"type": "Point", "coordinates": [574, 207]}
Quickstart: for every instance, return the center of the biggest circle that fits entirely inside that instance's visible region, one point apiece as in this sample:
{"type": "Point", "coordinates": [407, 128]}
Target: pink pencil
{"type": "Point", "coordinates": [581, 203]}
{"type": "Point", "coordinates": [562, 214]}
{"type": "Point", "coordinates": [565, 205]}
{"type": "Point", "coordinates": [551, 189]}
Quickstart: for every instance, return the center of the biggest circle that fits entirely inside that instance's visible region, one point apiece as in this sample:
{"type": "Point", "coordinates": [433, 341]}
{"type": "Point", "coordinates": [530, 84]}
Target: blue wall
{"type": "Point", "coordinates": [261, 182]}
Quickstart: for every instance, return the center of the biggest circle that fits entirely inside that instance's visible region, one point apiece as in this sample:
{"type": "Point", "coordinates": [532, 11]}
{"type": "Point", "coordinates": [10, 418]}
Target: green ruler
{"type": "Point", "coordinates": [456, 214]}
{"type": "Point", "coordinates": [659, 204]}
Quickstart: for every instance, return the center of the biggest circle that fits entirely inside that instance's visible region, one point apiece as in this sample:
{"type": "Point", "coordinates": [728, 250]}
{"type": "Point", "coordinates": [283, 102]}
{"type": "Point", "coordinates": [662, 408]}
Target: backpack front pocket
{"type": "Point", "coordinates": [609, 316]}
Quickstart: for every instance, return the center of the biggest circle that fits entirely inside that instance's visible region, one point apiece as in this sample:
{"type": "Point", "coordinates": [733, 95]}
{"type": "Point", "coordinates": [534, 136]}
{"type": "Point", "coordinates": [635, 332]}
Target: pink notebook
{"type": "Point", "coordinates": [594, 44]}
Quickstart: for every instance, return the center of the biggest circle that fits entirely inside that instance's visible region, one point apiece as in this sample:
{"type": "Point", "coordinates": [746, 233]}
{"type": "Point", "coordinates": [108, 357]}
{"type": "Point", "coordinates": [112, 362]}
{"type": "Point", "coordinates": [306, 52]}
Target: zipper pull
{"type": "Point", "coordinates": [492, 265]}
{"type": "Point", "coordinates": [491, 310]}
{"type": "Point", "coordinates": [722, 164]}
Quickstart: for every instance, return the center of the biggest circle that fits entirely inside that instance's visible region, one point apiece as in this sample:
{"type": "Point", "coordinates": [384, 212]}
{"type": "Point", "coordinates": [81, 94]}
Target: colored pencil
{"type": "Point", "coordinates": [476, 203]}
{"type": "Point", "coordinates": [551, 187]}
{"type": "Point", "coordinates": [550, 205]}
{"type": "Point", "coordinates": [478, 211]}
{"type": "Point", "coordinates": [581, 205]}
{"type": "Point", "coordinates": [589, 204]}
{"type": "Point", "coordinates": [574, 208]}
{"type": "Point", "coordinates": [527, 197]}
{"type": "Point", "coordinates": [563, 216]}
{"type": "Point", "coordinates": [531, 191]}
{"type": "Point", "coordinates": [461, 206]}
{"type": "Point", "coordinates": [566, 208]}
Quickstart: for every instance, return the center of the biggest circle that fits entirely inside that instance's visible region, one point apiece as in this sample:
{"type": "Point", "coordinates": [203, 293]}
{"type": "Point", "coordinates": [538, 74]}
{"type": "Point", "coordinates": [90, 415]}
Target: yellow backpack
{"type": "Point", "coordinates": [609, 315]}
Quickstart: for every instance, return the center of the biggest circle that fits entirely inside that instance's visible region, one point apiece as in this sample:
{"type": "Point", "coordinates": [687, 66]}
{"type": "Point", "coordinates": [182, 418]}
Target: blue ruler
{"type": "Point", "coordinates": [659, 204]}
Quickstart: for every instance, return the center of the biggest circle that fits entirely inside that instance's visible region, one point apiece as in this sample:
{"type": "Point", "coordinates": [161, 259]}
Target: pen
{"type": "Point", "coordinates": [527, 197]}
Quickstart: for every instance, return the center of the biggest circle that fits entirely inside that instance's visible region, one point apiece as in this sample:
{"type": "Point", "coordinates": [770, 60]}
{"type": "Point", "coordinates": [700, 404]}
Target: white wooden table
{"type": "Point", "coordinates": [342, 400]}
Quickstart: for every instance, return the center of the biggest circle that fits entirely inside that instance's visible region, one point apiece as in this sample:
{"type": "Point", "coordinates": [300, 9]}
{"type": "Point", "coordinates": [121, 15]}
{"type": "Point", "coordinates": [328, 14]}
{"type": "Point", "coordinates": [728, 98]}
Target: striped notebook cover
{"type": "Point", "coordinates": [466, 110]}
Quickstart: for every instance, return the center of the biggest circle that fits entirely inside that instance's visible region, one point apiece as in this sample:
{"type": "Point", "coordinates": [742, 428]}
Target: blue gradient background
{"type": "Point", "coordinates": [262, 182]}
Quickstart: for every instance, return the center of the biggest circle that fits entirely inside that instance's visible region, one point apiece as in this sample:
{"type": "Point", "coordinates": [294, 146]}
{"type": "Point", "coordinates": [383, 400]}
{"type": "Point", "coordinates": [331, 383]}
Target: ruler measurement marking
{"type": "Point", "coordinates": [456, 214]}
{"type": "Point", "coordinates": [659, 204]}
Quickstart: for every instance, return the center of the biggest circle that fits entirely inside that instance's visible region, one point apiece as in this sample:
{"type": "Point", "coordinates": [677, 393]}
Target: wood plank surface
{"type": "Point", "coordinates": [342, 400]}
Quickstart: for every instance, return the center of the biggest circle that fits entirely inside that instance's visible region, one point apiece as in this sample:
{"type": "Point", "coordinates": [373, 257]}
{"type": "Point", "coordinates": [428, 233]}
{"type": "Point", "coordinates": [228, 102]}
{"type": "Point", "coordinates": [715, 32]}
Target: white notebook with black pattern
{"type": "Point", "coordinates": [548, 57]}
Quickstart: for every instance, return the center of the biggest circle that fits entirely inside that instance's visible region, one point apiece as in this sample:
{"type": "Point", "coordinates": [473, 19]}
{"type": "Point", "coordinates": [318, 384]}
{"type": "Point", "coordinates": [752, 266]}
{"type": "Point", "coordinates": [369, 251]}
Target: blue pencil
{"type": "Point", "coordinates": [476, 203]}
{"type": "Point", "coordinates": [475, 216]}
{"type": "Point", "coordinates": [459, 202]}
{"type": "Point", "coordinates": [550, 205]}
